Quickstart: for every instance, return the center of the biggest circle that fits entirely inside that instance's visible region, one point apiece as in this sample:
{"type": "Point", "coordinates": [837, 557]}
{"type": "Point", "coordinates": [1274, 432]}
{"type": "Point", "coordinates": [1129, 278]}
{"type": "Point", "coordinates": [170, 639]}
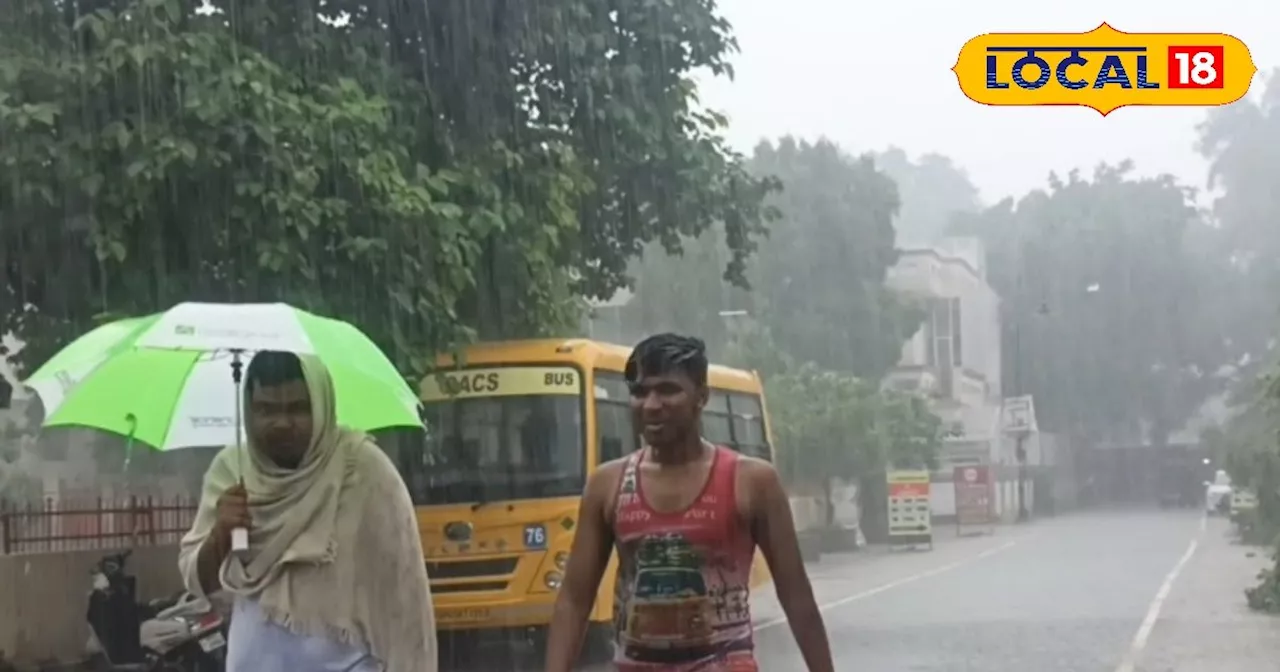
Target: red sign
{"type": "Point", "coordinates": [973, 495]}
{"type": "Point", "coordinates": [908, 489]}
{"type": "Point", "coordinates": [1196, 67]}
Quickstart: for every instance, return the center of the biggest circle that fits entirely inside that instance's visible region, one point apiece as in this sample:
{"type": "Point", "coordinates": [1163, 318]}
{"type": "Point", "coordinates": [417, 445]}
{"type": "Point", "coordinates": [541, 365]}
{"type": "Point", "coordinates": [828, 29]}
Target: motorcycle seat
{"type": "Point", "coordinates": [159, 604]}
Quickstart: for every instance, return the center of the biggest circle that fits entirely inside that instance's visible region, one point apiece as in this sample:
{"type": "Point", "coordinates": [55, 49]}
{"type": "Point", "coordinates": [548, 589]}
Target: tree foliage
{"type": "Point", "coordinates": [1242, 142]}
{"type": "Point", "coordinates": [822, 277]}
{"type": "Point", "coordinates": [818, 323]}
{"type": "Point", "coordinates": [430, 171]}
{"type": "Point", "coordinates": [1100, 303]}
{"type": "Point", "coordinates": [831, 425]}
{"type": "Point", "coordinates": [933, 190]}
{"type": "Point", "coordinates": [818, 283]}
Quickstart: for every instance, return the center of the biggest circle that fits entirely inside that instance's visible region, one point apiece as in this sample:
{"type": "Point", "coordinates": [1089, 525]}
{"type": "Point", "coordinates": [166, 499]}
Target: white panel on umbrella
{"type": "Point", "coordinates": [219, 326]}
{"type": "Point", "coordinates": [206, 410]}
{"type": "Point", "coordinates": [53, 390]}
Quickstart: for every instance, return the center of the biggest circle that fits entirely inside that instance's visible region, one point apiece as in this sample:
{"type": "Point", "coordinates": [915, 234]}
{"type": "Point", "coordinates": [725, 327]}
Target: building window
{"type": "Point", "coordinates": [956, 355]}
{"type": "Point", "coordinates": [930, 357]}
{"type": "Point", "coordinates": [942, 346]}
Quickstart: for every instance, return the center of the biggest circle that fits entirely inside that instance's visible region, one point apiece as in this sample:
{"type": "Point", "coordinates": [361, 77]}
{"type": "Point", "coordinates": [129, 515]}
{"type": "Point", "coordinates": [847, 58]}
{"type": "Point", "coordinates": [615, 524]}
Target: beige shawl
{"type": "Point", "coordinates": [335, 549]}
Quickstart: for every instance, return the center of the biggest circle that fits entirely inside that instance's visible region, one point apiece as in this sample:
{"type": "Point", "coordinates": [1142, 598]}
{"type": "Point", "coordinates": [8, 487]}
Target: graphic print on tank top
{"type": "Point", "coordinates": [683, 584]}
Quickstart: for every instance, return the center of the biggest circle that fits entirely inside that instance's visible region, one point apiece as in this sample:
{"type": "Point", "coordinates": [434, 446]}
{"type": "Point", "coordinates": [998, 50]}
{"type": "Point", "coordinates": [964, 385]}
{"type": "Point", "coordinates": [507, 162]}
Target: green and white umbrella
{"type": "Point", "coordinates": [166, 379]}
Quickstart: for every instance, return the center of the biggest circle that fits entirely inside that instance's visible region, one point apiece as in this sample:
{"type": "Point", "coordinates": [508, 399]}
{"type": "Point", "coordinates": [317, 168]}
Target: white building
{"type": "Point", "coordinates": [955, 357]}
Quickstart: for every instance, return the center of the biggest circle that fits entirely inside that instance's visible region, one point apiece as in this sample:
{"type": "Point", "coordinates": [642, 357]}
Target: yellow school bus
{"type": "Point", "coordinates": [512, 435]}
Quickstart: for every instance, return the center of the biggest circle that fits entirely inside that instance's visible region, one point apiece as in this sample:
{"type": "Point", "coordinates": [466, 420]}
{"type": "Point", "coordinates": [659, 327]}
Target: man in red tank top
{"type": "Point", "coordinates": [685, 517]}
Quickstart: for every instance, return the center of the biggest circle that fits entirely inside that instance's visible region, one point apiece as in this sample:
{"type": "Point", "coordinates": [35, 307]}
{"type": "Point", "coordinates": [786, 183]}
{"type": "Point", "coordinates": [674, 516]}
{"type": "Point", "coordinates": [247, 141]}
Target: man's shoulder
{"type": "Point", "coordinates": [224, 468]}
{"type": "Point", "coordinates": [614, 466]}
{"type": "Point", "coordinates": [369, 456]}
{"type": "Point", "coordinates": [604, 479]}
{"type": "Point", "coordinates": [754, 472]}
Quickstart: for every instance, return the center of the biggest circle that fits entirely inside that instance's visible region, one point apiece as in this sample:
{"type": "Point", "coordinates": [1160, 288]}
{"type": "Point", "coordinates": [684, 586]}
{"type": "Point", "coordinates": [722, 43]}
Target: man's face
{"type": "Point", "coordinates": [280, 421]}
{"type": "Point", "coordinates": [666, 407]}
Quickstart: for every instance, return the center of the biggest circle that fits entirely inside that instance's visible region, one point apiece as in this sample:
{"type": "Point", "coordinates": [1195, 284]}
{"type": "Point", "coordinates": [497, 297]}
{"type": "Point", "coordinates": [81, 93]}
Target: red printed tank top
{"type": "Point", "coordinates": [684, 578]}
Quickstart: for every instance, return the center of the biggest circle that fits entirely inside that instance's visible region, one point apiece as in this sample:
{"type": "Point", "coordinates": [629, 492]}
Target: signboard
{"type": "Point", "coordinates": [1018, 416]}
{"type": "Point", "coordinates": [910, 515]}
{"type": "Point", "coordinates": [503, 381]}
{"type": "Point", "coordinates": [973, 496]}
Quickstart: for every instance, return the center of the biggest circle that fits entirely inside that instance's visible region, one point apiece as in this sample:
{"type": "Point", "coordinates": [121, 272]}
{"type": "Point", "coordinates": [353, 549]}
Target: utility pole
{"type": "Point", "coordinates": [1023, 514]}
{"type": "Point", "coordinates": [1020, 449]}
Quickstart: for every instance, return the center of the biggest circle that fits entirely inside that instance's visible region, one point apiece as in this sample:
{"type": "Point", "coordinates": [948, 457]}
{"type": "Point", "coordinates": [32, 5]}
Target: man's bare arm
{"type": "Point", "coordinates": [775, 533]}
{"type": "Point", "coordinates": [588, 557]}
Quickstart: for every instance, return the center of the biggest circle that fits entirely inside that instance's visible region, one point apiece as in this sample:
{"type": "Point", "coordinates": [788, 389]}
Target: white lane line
{"type": "Point", "coordinates": [894, 584]}
{"type": "Point", "coordinates": [1130, 662]}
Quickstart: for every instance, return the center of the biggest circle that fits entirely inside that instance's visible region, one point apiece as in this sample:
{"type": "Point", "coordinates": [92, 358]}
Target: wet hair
{"type": "Point", "coordinates": [669, 353]}
{"type": "Point", "coordinates": [269, 368]}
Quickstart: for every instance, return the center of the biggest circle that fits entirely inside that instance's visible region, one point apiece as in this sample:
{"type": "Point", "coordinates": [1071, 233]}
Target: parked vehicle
{"type": "Point", "coordinates": [1217, 498]}
{"type": "Point", "coordinates": [179, 634]}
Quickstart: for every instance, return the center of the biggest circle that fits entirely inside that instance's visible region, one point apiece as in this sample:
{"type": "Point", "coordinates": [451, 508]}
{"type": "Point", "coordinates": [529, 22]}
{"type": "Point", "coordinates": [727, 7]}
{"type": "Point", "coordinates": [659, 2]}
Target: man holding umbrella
{"type": "Point", "coordinates": [334, 577]}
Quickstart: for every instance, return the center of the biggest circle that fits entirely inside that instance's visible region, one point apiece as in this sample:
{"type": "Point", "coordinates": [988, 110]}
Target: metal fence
{"type": "Point", "coordinates": [55, 525]}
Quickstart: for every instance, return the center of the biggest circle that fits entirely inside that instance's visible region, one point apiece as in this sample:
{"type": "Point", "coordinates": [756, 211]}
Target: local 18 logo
{"type": "Point", "coordinates": [1104, 69]}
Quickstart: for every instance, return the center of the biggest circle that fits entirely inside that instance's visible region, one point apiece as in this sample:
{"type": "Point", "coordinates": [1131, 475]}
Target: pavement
{"type": "Point", "coordinates": [1136, 591]}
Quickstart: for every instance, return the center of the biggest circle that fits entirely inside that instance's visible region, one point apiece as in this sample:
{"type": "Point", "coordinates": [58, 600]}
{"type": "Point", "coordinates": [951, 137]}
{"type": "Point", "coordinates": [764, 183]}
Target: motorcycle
{"type": "Point", "coordinates": [182, 633]}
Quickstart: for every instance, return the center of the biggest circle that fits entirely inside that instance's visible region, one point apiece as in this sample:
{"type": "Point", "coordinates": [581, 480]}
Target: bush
{"type": "Point", "coordinates": [1266, 595]}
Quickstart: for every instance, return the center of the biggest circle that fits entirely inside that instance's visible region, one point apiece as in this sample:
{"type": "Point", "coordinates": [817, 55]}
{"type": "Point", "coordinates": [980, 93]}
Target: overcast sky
{"type": "Point", "coordinates": [871, 75]}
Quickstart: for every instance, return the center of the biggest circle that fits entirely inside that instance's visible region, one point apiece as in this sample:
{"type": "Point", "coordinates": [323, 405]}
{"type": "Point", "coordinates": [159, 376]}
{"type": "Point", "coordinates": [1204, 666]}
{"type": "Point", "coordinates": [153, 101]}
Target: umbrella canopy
{"type": "Point", "coordinates": [166, 379]}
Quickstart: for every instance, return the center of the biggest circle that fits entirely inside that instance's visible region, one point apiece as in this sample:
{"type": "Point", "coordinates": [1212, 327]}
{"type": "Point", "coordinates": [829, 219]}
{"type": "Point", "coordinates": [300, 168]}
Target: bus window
{"type": "Point", "coordinates": [749, 436]}
{"type": "Point", "coordinates": [515, 433]}
{"type": "Point", "coordinates": [716, 426]}
{"type": "Point", "coordinates": [615, 434]}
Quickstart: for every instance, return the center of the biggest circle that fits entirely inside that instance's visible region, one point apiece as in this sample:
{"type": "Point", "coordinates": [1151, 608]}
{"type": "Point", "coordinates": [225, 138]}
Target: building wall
{"type": "Point", "coordinates": [932, 274]}
{"type": "Point", "coordinates": [962, 379]}
{"type": "Point", "coordinates": [43, 599]}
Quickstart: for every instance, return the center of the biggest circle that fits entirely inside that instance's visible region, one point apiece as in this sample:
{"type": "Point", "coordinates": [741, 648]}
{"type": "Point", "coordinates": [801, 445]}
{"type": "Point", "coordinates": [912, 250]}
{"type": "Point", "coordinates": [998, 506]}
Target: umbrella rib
{"type": "Point", "coordinates": [177, 398]}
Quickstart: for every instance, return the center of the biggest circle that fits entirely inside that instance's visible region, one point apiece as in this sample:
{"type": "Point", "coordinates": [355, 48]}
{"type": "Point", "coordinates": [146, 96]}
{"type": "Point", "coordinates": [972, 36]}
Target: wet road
{"type": "Point", "coordinates": [1119, 592]}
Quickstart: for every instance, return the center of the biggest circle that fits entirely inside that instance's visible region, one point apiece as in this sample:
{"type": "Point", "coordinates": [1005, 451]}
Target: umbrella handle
{"type": "Point", "coordinates": [132, 421]}
{"type": "Point", "coordinates": [239, 535]}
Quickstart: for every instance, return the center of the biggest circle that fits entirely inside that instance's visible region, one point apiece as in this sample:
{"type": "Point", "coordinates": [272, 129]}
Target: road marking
{"type": "Point", "coordinates": [1130, 662]}
{"type": "Point", "coordinates": [894, 584]}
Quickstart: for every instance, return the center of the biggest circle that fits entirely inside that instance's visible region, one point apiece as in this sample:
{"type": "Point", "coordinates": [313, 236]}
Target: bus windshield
{"type": "Point", "coordinates": [509, 434]}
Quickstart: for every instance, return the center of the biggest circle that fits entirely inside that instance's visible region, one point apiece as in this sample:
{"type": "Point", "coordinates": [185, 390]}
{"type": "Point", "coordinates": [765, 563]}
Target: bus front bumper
{"type": "Point", "coordinates": [460, 611]}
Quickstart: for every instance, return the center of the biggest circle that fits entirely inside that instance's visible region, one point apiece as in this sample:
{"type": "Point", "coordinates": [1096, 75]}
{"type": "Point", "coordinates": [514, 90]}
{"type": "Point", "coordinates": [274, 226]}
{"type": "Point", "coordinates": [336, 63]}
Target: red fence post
{"type": "Point", "coordinates": [151, 522]}
{"type": "Point", "coordinates": [98, 531]}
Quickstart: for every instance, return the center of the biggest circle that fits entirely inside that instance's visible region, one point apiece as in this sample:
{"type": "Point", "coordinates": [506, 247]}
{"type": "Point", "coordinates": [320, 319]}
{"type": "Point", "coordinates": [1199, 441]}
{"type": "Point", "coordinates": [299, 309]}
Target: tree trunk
{"type": "Point", "coordinates": [828, 507]}
{"type": "Point", "coordinates": [873, 492]}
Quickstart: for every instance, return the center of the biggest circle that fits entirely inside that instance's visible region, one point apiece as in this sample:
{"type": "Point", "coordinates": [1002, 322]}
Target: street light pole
{"type": "Point", "coordinates": [1020, 449]}
{"type": "Point", "coordinates": [1021, 452]}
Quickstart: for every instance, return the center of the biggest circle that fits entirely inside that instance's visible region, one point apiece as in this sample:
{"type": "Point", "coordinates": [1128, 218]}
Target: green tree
{"type": "Point", "coordinates": [377, 168]}
{"type": "Point", "coordinates": [687, 292]}
{"type": "Point", "coordinates": [908, 432]}
{"type": "Point", "coordinates": [933, 191]}
{"type": "Point", "coordinates": [829, 425]}
{"type": "Point", "coordinates": [820, 278]}
{"type": "Point", "coordinates": [817, 280]}
{"type": "Point", "coordinates": [1242, 143]}
{"type": "Point", "coordinates": [823, 425]}
{"type": "Point", "coordinates": [1099, 298]}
